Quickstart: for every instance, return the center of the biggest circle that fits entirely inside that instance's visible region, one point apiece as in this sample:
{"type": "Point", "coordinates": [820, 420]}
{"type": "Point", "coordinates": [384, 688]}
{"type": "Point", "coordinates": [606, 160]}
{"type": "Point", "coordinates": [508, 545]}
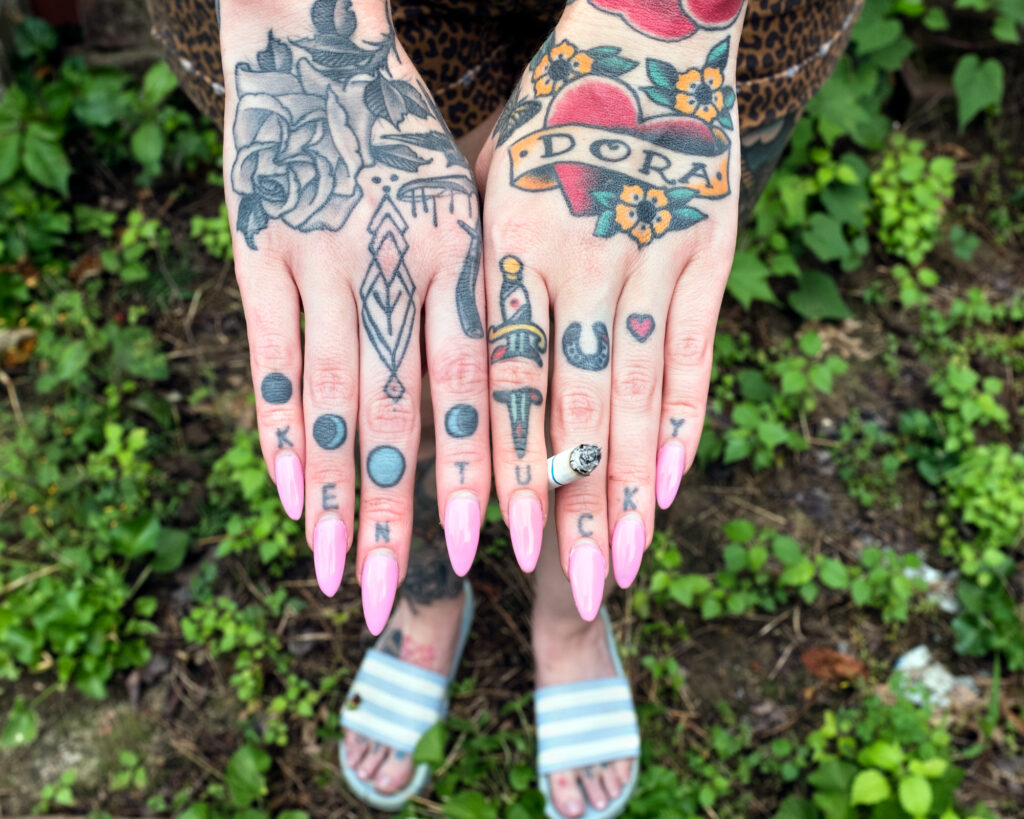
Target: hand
{"type": "Point", "coordinates": [351, 203]}
{"type": "Point", "coordinates": [611, 201]}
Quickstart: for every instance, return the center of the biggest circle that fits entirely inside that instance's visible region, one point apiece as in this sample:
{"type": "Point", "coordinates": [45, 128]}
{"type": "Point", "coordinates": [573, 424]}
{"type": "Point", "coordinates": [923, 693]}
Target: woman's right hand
{"type": "Point", "coordinates": [351, 204]}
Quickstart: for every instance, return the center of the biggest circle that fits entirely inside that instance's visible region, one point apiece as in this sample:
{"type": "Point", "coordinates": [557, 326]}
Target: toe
{"type": "Point", "coordinates": [623, 769]}
{"type": "Point", "coordinates": [593, 788]}
{"type": "Point", "coordinates": [394, 772]}
{"type": "Point", "coordinates": [355, 748]}
{"type": "Point", "coordinates": [566, 794]}
{"type": "Point", "coordinates": [367, 768]}
{"type": "Point", "coordinates": [610, 781]}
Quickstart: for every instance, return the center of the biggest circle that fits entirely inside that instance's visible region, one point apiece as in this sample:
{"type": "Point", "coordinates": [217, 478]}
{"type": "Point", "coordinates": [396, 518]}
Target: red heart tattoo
{"type": "Point", "coordinates": [640, 326]}
{"type": "Point", "coordinates": [611, 105]}
{"type": "Point", "coordinates": [672, 19]}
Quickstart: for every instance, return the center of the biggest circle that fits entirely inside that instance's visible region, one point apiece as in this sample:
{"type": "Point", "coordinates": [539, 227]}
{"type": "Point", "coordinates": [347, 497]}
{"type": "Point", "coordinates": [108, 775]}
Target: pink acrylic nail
{"type": "Point", "coordinates": [628, 549]}
{"type": "Point", "coordinates": [671, 463]}
{"type": "Point", "coordinates": [329, 540]}
{"type": "Point", "coordinates": [462, 532]}
{"type": "Point", "coordinates": [586, 576]}
{"type": "Point", "coordinates": [290, 487]}
{"type": "Point", "coordinates": [526, 527]}
{"type": "Point", "coordinates": [380, 581]}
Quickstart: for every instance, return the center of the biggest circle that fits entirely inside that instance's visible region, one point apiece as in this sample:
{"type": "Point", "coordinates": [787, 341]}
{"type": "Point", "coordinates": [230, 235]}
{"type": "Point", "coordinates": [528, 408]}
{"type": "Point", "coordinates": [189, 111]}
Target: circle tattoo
{"type": "Point", "coordinates": [385, 465]}
{"type": "Point", "coordinates": [330, 431]}
{"type": "Point", "coordinates": [461, 421]}
{"type": "Point", "coordinates": [276, 389]}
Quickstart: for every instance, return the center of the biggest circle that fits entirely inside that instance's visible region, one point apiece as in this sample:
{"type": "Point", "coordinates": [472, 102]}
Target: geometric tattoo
{"type": "Point", "coordinates": [596, 361]}
{"type": "Point", "coordinates": [517, 336]}
{"type": "Point", "coordinates": [519, 403]}
{"type": "Point", "coordinates": [330, 431]}
{"type": "Point", "coordinates": [389, 312]}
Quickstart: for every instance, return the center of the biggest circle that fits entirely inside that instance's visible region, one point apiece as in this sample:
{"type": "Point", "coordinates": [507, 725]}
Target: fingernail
{"type": "Point", "coordinates": [526, 527]}
{"type": "Point", "coordinates": [586, 576]}
{"type": "Point", "coordinates": [462, 531]}
{"type": "Point", "coordinates": [380, 580]}
{"type": "Point", "coordinates": [288, 475]}
{"type": "Point", "coordinates": [671, 462]}
{"type": "Point", "coordinates": [627, 549]}
{"type": "Point", "coordinates": [329, 539]}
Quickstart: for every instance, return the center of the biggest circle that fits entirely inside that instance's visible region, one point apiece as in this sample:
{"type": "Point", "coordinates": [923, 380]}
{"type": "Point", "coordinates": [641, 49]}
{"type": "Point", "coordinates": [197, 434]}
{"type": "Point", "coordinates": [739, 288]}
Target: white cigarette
{"type": "Point", "coordinates": [573, 464]}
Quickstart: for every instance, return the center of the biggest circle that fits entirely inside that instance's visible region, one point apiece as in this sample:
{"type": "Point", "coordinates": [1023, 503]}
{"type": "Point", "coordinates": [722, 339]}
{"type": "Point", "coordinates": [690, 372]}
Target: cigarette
{"type": "Point", "coordinates": [573, 464]}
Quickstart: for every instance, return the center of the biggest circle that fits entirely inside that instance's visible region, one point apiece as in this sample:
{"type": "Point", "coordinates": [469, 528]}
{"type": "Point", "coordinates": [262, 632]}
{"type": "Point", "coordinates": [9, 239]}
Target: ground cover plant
{"type": "Point", "coordinates": [860, 491]}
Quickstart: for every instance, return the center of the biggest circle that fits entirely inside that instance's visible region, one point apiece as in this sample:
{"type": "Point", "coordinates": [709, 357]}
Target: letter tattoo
{"type": "Point", "coordinates": [595, 361]}
{"type": "Point", "coordinates": [382, 533]}
{"type": "Point", "coordinates": [525, 477]}
{"type": "Point", "coordinates": [586, 517]}
{"type": "Point", "coordinates": [461, 466]}
{"type": "Point", "coordinates": [282, 437]}
{"type": "Point", "coordinates": [519, 403]}
{"type": "Point", "coordinates": [329, 499]}
{"type": "Point", "coordinates": [676, 424]}
{"type": "Point", "coordinates": [629, 497]}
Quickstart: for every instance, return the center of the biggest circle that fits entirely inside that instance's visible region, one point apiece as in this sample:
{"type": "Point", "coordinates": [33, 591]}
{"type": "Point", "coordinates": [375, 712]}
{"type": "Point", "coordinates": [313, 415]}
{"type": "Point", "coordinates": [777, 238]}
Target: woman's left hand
{"type": "Point", "coordinates": [612, 182]}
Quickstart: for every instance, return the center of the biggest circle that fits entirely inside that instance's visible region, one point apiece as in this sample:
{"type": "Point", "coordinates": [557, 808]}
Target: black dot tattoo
{"type": "Point", "coordinates": [282, 437]}
{"type": "Point", "coordinates": [276, 388]}
{"type": "Point", "coordinates": [586, 517]}
{"type": "Point", "coordinates": [330, 501]}
{"type": "Point", "coordinates": [629, 498]}
{"type": "Point", "coordinates": [676, 424]}
{"type": "Point", "coordinates": [461, 421]}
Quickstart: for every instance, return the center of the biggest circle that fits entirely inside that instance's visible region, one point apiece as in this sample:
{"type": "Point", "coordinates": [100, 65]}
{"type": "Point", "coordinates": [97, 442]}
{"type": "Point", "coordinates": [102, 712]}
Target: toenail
{"type": "Point", "coordinates": [383, 781]}
{"type": "Point", "coordinates": [573, 808]}
{"type": "Point", "coordinates": [600, 804]}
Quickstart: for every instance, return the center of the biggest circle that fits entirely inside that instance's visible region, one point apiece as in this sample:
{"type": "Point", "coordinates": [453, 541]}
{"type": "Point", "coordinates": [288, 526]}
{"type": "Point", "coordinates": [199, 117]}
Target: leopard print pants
{"type": "Point", "coordinates": [471, 52]}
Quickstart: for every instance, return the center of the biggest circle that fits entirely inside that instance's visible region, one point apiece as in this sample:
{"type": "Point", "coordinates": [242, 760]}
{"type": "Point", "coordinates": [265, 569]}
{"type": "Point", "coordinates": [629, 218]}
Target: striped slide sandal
{"type": "Point", "coordinates": [395, 703]}
{"type": "Point", "coordinates": [588, 723]}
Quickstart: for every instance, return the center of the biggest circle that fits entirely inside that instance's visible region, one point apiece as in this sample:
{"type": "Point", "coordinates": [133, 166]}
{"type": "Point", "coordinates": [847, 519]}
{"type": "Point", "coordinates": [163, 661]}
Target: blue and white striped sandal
{"type": "Point", "coordinates": [397, 704]}
{"type": "Point", "coordinates": [588, 723]}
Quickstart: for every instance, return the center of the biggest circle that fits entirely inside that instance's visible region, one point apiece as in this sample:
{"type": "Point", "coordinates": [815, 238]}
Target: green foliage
{"type": "Point", "coordinates": [214, 234]}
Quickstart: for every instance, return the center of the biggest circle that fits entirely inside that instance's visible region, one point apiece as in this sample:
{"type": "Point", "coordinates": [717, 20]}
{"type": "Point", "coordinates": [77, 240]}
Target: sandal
{"type": "Point", "coordinates": [395, 703]}
{"type": "Point", "coordinates": [588, 723]}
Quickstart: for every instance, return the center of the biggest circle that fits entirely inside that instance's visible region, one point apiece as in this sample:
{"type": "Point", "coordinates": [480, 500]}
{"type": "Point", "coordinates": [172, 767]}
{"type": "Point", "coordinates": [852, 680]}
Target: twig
{"type": "Point", "coordinates": [769, 627]}
{"type": "Point", "coordinates": [25, 579]}
{"type": "Point", "coordinates": [12, 395]}
{"type": "Point", "coordinates": [786, 652]}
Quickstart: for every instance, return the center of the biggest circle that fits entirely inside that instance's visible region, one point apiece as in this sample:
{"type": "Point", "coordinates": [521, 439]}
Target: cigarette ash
{"type": "Point", "coordinates": [585, 459]}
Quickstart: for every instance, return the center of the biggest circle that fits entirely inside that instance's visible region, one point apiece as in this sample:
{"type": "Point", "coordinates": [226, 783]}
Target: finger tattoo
{"type": "Point", "coordinates": [276, 388]}
{"type": "Point", "coordinates": [517, 336]}
{"type": "Point", "coordinates": [382, 533]}
{"type": "Point", "coordinates": [519, 403]}
{"type": "Point", "coordinates": [330, 500]}
{"type": "Point", "coordinates": [676, 423]}
{"type": "Point", "coordinates": [385, 465]}
{"type": "Point", "coordinates": [282, 437]}
{"type": "Point", "coordinates": [640, 326]}
{"type": "Point", "coordinates": [461, 421]}
{"type": "Point", "coordinates": [330, 431]}
{"type": "Point", "coordinates": [595, 361]}
{"type": "Point", "coordinates": [465, 288]}
{"type": "Point", "coordinates": [586, 517]}
{"type": "Point", "coordinates": [629, 497]}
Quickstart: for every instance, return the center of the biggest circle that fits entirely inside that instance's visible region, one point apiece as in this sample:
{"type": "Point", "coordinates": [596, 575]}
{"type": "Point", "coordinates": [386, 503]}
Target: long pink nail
{"type": "Point", "coordinates": [627, 549]}
{"type": "Point", "coordinates": [526, 527]}
{"type": "Point", "coordinates": [290, 487]}
{"type": "Point", "coordinates": [380, 581]}
{"type": "Point", "coordinates": [586, 576]}
{"type": "Point", "coordinates": [671, 463]}
{"type": "Point", "coordinates": [462, 532]}
{"type": "Point", "coordinates": [329, 540]}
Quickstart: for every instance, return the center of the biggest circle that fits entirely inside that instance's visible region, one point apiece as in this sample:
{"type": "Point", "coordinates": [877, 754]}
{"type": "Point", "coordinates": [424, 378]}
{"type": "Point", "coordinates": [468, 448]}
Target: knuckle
{"type": "Point", "coordinates": [582, 505]}
{"type": "Point", "coordinates": [382, 417]}
{"type": "Point", "coordinates": [514, 230]}
{"type": "Point", "coordinates": [330, 385]}
{"type": "Point", "coordinates": [272, 351]}
{"type": "Point", "coordinates": [637, 474]}
{"type": "Point", "coordinates": [326, 476]}
{"type": "Point", "coordinates": [691, 409]}
{"type": "Point", "coordinates": [273, 417]}
{"type": "Point", "coordinates": [635, 385]}
{"type": "Point", "coordinates": [515, 374]}
{"type": "Point", "coordinates": [578, 406]}
{"type": "Point", "coordinates": [384, 508]}
{"type": "Point", "coordinates": [688, 348]}
{"type": "Point", "coordinates": [460, 372]}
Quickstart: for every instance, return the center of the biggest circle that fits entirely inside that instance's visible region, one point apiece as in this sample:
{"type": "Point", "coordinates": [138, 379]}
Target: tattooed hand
{"type": "Point", "coordinates": [351, 204]}
{"type": "Point", "coordinates": [612, 186]}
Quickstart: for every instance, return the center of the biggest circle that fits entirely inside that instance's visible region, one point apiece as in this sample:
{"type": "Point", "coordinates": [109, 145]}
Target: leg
{"type": "Point", "coordinates": [569, 649]}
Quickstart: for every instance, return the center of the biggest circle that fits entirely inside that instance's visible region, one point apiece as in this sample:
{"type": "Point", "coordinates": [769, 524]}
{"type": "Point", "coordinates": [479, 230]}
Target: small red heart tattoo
{"type": "Point", "coordinates": [640, 326]}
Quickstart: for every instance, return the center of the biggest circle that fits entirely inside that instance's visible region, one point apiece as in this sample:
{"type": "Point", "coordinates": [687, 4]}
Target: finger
{"type": "Point", "coordinates": [271, 304]}
{"type": "Point", "coordinates": [330, 405]}
{"type": "Point", "coordinates": [580, 414]}
{"type": "Point", "coordinates": [517, 307]}
{"type": "Point", "coordinates": [637, 370]}
{"type": "Point", "coordinates": [389, 391]}
{"type": "Point", "coordinates": [457, 365]}
{"type": "Point", "coordinates": [689, 340]}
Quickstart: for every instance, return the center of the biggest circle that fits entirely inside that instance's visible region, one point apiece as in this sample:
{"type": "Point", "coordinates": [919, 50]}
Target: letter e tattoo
{"type": "Point", "coordinates": [329, 499]}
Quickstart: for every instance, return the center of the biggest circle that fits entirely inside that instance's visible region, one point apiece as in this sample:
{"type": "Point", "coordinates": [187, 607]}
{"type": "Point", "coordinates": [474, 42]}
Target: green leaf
{"type": "Point", "coordinates": [244, 775]}
{"type": "Point", "coordinates": [520, 777]}
{"type": "Point", "coordinates": [430, 748]}
{"type": "Point", "coordinates": [44, 159]}
{"type": "Point", "coordinates": [171, 548]}
{"type": "Point", "coordinates": [719, 55]}
{"type": "Point", "coordinates": [817, 297]}
{"type": "Point", "coordinates": [931, 768]}
{"type": "Point", "coordinates": [825, 239]}
{"type": "Point", "coordinates": [810, 344]}
{"type": "Point", "coordinates": [138, 536]}
{"type": "Point", "coordinates": [978, 85]}
{"type": "Point", "coordinates": [798, 574]}
{"type": "Point", "coordinates": [869, 788]}
{"type": "Point", "coordinates": [613, 66]}
{"type": "Point", "coordinates": [606, 199]}
{"type": "Point", "coordinates": [662, 74]}
{"type": "Point", "coordinates": [915, 794]}
{"type": "Point", "coordinates": [735, 557]}
{"type": "Point", "coordinates": [786, 550]}
{"type": "Point", "coordinates": [10, 155]}
{"type": "Point", "coordinates": [881, 754]}
{"type": "Point", "coordinates": [740, 530]}
{"type": "Point", "coordinates": [158, 82]}
{"type": "Point", "coordinates": [148, 144]}
{"type": "Point", "coordinates": [72, 360]}
{"type": "Point", "coordinates": [834, 574]}
{"type": "Point", "coordinates": [748, 281]}
{"type": "Point", "coordinates": [685, 588]}
{"type": "Point", "coordinates": [21, 727]}
{"type": "Point", "coordinates": [683, 218]}
{"type": "Point", "coordinates": [34, 38]}
{"type": "Point", "coordinates": [606, 225]}
{"type": "Point", "coordinates": [832, 775]}
{"type": "Point", "coordinates": [724, 119]}
{"type": "Point", "coordinates": [470, 805]}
